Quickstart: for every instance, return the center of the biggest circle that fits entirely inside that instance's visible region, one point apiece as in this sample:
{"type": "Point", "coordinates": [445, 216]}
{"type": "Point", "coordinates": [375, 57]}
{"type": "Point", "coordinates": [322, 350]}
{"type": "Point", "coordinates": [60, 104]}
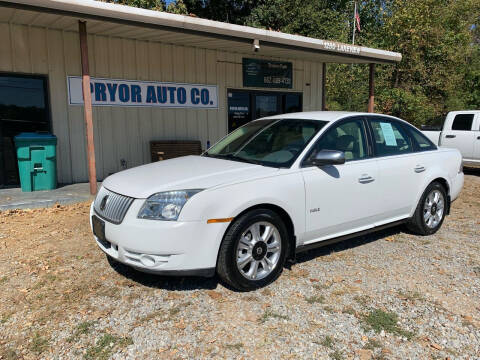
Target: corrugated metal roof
{"type": "Point", "coordinates": [130, 22]}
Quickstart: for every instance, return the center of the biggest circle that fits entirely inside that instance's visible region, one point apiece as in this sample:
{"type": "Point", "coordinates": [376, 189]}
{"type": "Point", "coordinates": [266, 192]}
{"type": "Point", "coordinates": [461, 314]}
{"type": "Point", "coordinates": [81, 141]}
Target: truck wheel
{"type": "Point", "coordinates": [253, 251]}
{"type": "Point", "coordinates": [430, 211]}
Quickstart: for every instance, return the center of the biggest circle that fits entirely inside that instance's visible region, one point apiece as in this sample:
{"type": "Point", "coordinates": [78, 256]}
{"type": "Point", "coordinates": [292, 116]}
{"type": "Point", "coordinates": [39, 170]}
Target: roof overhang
{"type": "Point", "coordinates": [129, 22]}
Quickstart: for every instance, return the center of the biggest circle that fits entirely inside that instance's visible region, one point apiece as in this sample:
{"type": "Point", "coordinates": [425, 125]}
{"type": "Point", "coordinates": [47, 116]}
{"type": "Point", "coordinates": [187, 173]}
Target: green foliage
{"type": "Point", "coordinates": [106, 346]}
{"type": "Point", "coordinates": [439, 41]}
{"type": "Point", "coordinates": [379, 320]}
{"type": "Point", "coordinates": [145, 4]}
{"type": "Point", "coordinates": [177, 7]}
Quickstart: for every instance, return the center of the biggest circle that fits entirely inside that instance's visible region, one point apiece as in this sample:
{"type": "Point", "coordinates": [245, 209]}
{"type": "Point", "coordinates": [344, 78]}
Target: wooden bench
{"type": "Point", "coordinates": [169, 149]}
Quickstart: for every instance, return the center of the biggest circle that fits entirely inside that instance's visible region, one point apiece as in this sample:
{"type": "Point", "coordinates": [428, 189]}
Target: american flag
{"type": "Point", "coordinates": [357, 18]}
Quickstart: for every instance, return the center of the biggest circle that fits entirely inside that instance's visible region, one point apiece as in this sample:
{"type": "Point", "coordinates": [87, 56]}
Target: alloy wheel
{"type": "Point", "coordinates": [258, 250]}
{"type": "Point", "coordinates": [433, 209]}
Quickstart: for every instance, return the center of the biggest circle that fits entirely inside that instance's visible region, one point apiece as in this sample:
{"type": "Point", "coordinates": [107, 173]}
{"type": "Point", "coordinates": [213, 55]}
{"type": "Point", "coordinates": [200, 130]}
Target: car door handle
{"type": "Point", "coordinates": [365, 179]}
{"type": "Point", "coordinates": [478, 137]}
{"type": "Point", "coordinates": [450, 136]}
{"type": "Point", "coordinates": [419, 169]}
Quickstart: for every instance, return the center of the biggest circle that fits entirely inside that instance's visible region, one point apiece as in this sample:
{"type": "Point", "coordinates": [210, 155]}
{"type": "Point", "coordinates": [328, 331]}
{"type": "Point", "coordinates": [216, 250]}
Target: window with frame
{"type": "Point", "coordinates": [421, 141]}
{"type": "Point", "coordinates": [463, 122]}
{"type": "Point", "coordinates": [389, 138]}
{"type": "Point", "coordinates": [348, 136]}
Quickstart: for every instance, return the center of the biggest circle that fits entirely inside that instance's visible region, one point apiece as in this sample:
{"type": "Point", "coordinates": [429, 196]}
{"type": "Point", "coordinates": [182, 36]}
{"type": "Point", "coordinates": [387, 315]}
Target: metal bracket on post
{"type": "Point", "coordinates": [87, 106]}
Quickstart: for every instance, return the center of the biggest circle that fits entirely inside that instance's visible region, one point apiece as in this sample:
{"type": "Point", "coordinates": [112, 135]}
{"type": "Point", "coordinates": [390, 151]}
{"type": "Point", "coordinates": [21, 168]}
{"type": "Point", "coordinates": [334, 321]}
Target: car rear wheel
{"type": "Point", "coordinates": [431, 210]}
{"type": "Point", "coordinates": [253, 250]}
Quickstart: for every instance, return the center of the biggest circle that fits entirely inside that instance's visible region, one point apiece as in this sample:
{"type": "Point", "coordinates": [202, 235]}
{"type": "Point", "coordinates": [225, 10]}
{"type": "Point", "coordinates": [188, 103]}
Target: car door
{"type": "Point", "coordinates": [341, 199]}
{"type": "Point", "coordinates": [460, 134]}
{"type": "Point", "coordinates": [398, 171]}
{"type": "Point", "coordinates": [476, 147]}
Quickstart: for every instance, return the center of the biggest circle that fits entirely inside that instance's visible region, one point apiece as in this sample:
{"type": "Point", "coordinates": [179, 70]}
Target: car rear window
{"type": "Point", "coordinates": [390, 138]}
{"type": "Point", "coordinates": [421, 141]}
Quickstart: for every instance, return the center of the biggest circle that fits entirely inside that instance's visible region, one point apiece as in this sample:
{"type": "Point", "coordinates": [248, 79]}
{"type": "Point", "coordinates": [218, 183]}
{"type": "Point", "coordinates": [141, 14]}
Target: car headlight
{"type": "Point", "coordinates": [166, 205]}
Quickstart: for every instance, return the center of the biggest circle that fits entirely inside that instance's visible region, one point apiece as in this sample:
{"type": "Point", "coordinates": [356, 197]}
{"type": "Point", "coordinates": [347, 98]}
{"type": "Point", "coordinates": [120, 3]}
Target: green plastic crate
{"type": "Point", "coordinates": [37, 161]}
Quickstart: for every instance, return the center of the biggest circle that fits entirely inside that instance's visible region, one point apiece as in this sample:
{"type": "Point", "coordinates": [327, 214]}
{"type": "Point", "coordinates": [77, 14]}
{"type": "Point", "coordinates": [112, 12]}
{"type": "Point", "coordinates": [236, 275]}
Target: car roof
{"type": "Point", "coordinates": [318, 115]}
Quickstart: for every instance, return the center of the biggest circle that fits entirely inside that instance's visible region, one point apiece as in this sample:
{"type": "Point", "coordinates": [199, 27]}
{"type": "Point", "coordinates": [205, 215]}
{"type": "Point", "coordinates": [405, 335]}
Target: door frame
{"type": "Point", "coordinates": [278, 93]}
{"type": "Point", "coordinates": [48, 112]}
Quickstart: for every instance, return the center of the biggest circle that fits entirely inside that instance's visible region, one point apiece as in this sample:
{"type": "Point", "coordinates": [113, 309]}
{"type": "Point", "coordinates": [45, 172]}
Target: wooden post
{"type": "Point", "coordinates": [324, 79]}
{"type": "Point", "coordinates": [87, 107]}
{"type": "Point", "coordinates": [371, 97]}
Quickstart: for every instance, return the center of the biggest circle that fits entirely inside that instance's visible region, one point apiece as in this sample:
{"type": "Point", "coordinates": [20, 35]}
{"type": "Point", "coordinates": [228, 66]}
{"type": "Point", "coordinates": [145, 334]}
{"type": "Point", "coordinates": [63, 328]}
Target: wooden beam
{"type": "Point", "coordinates": [87, 107]}
{"type": "Point", "coordinates": [371, 92]}
{"type": "Point", "coordinates": [324, 79]}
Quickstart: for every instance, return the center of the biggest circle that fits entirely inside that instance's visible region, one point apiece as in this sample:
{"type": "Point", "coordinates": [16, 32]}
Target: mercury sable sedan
{"type": "Point", "coordinates": [272, 188]}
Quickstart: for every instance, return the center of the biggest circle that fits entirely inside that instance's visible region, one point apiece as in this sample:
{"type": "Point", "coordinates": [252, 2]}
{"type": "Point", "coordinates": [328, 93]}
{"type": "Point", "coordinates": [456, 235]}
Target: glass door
{"type": "Point", "coordinates": [248, 105]}
{"type": "Point", "coordinates": [23, 108]}
{"type": "Point", "coordinates": [266, 105]}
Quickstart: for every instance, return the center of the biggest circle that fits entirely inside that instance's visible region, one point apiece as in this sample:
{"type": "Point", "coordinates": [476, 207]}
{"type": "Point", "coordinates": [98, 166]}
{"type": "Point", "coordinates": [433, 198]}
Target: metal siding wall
{"type": "Point", "coordinates": [125, 133]}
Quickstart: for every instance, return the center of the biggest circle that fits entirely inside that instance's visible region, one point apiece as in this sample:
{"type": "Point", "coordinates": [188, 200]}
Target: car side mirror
{"type": "Point", "coordinates": [328, 157]}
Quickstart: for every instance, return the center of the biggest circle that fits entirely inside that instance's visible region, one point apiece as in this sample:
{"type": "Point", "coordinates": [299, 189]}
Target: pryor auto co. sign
{"type": "Point", "coordinates": [113, 92]}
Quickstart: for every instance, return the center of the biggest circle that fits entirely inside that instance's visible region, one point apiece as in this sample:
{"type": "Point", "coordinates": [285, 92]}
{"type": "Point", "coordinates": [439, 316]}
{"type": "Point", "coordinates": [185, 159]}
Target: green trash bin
{"type": "Point", "coordinates": [37, 161]}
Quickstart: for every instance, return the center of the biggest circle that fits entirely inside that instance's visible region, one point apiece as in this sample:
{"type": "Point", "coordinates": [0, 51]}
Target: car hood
{"type": "Point", "coordinates": [188, 172]}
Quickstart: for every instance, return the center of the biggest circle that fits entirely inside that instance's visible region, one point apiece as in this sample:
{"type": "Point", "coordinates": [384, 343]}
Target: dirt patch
{"type": "Point", "coordinates": [389, 294]}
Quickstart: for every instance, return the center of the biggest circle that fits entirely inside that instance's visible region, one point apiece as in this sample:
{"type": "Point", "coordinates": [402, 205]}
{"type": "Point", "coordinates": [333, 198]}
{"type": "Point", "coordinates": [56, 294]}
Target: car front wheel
{"type": "Point", "coordinates": [253, 250]}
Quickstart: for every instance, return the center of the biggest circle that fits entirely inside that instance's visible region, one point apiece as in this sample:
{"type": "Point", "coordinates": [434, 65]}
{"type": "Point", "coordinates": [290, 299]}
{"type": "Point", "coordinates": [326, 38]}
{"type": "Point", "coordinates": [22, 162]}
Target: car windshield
{"type": "Point", "coordinates": [267, 142]}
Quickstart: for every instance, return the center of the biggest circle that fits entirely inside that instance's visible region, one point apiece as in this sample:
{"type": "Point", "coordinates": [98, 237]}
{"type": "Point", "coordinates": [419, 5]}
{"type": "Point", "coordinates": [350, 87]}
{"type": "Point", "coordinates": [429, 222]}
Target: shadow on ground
{"type": "Point", "coordinates": [199, 283]}
{"type": "Point", "coordinates": [472, 171]}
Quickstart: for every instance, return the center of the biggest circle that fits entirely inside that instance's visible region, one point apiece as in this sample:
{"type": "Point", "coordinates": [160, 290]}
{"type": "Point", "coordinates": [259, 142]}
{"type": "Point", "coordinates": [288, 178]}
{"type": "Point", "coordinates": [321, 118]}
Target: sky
{"type": "Point", "coordinates": [169, 1]}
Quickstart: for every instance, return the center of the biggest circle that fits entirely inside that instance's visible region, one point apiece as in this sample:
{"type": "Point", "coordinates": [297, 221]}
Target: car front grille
{"type": "Point", "coordinates": [112, 206]}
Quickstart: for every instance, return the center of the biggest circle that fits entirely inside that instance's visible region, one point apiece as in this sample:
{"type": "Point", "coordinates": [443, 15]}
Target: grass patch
{"type": "Point", "coordinates": [410, 295]}
{"type": "Point", "coordinates": [329, 309]}
{"type": "Point", "coordinates": [324, 286]}
{"type": "Point", "coordinates": [237, 346]}
{"type": "Point", "coordinates": [315, 299]}
{"type": "Point", "coordinates": [105, 347]}
{"type": "Point", "coordinates": [3, 280]}
{"type": "Point", "coordinates": [270, 314]}
{"type": "Point", "coordinates": [328, 342]}
{"type": "Point", "coordinates": [39, 344]}
{"type": "Point", "coordinates": [363, 300]}
{"type": "Point", "coordinates": [82, 329]}
{"type": "Point", "coordinates": [337, 355]}
{"type": "Point", "coordinates": [5, 317]}
{"type": "Point", "coordinates": [379, 320]}
{"type": "Point", "coordinates": [172, 312]}
{"type": "Point", "coordinates": [8, 354]}
{"type": "Point", "coordinates": [349, 310]}
{"type": "Point", "coordinates": [372, 344]}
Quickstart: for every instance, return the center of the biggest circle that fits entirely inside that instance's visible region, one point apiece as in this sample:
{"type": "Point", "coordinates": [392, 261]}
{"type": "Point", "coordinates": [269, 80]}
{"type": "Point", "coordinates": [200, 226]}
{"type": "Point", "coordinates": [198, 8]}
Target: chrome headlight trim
{"type": "Point", "coordinates": [166, 205]}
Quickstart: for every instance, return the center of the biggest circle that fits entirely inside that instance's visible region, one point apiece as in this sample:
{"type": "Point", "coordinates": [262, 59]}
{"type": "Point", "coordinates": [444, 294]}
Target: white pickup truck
{"type": "Point", "coordinates": [461, 130]}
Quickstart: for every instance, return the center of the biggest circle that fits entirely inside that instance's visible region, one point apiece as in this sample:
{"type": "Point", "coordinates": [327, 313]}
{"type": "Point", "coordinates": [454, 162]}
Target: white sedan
{"type": "Point", "coordinates": [272, 188]}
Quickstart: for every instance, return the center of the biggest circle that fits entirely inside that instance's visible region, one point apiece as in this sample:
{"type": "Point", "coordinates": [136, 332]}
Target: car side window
{"type": "Point", "coordinates": [421, 141]}
{"type": "Point", "coordinates": [349, 137]}
{"type": "Point", "coordinates": [463, 122]}
{"type": "Point", "coordinates": [389, 138]}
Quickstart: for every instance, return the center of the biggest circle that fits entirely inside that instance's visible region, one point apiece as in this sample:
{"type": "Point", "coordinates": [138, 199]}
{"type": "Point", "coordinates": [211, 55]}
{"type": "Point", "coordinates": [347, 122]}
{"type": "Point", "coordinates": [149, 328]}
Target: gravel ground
{"type": "Point", "coordinates": [390, 295]}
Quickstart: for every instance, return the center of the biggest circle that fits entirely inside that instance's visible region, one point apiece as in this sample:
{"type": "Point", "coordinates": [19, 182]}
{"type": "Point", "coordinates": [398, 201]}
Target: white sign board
{"type": "Point", "coordinates": [113, 92]}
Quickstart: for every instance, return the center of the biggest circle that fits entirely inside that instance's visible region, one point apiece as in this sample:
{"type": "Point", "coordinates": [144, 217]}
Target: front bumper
{"type": "Point", "coordinates": [163, 247]}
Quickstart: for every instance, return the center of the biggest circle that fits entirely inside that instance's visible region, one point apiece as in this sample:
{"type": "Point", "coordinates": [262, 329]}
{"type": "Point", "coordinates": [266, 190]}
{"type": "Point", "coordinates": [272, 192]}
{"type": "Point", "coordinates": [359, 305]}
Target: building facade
{"type": "Point", "coordinates": [180, 85]}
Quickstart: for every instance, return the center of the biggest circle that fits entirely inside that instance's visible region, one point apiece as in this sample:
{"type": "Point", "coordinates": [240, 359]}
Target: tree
{"type": "Point", "coordinates": [439, 41]}
{"type": "Point", "coordinates": [177, 7]}
{"type": "Point", "coordinates": [145, 4]}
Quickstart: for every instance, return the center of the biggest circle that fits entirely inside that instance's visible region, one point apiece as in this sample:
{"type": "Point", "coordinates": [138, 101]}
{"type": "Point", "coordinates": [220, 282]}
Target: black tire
{"type": "Point", "coordinates": [227, 268]}
{"type": "Point", "coordinates": [417, 223]}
